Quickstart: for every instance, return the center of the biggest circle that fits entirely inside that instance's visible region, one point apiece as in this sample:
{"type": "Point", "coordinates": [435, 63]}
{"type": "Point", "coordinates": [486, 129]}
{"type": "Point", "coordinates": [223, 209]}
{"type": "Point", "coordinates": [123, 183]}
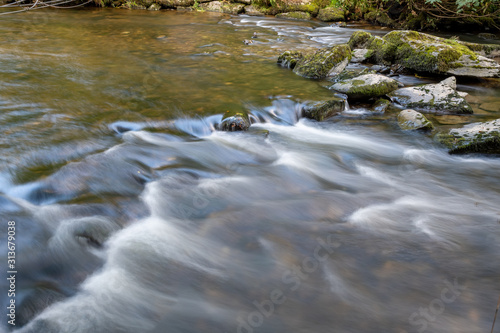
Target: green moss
{"type": "Point", "coordinates": [331, 14]}
{"type": "Point", "coordinates": [295, 16]}
{"type": "Point", "coordinates": [380, 17]}
{"type": "Point", "coordinates": [319, 64]}
{"type": "Point", "coordinates": [359, 89]}
{"type": "Point", "coordinates": [484, 49]}
{"type": "Point", "coordinates": [465, 145]}
{"type": "Point", "coordinates": [426, 53]}
{"type": "Point", "coordinates": [322, 110]}
{"type": "Point", "coordinates": [359, 39]}
{"type": "Point", "coordinates": [289, 59]}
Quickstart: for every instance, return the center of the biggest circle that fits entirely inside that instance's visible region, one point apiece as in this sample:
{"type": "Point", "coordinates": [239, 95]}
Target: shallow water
{"type": "Point", "coordinates": [133, 215]}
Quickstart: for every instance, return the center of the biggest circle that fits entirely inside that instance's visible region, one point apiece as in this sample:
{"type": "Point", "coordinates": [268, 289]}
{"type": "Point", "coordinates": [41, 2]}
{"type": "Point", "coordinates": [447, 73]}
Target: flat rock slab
{"type": "Point", "coordinates": [366, 86]}
{"type": "Point", "coordinates": [473, 138]}
{"type": "Point", "coordinates": [478, 67]}
{"type": "Point", "coordinates": [440, 98]}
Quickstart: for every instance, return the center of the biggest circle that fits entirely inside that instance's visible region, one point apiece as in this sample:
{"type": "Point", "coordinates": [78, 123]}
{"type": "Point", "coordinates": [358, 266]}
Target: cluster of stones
{"type": "Point", "coordinates": [301, 10]}
{"type": "Point", "coordinates": [408, 51]}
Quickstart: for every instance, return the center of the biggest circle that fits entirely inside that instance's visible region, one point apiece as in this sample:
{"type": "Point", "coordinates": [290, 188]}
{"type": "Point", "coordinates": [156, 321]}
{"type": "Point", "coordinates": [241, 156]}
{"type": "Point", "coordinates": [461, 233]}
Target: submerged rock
{"type": "Point", "coordinates": [473, 138]}
{"type": "Point", "coordinates": [413, 120]}
{"type": "Point", "coordinates": [294, 16]}
{"type": "Point", "coordinates": [366, 86]}
{"type": "Point", "coordinates": [331, 14]}
{"type": "Point", "coordinates": [322, 110]}
{"type": "Point", "coordinates": [234, 121]}
{"type": "Point", "coordinates": [440, 97]}
{"type": "Point", "coordinates": [289, 59]}
{"type": "Point", "coordinates": [425, 53]}
{"type": "Point", "coordinates": [325, 62]}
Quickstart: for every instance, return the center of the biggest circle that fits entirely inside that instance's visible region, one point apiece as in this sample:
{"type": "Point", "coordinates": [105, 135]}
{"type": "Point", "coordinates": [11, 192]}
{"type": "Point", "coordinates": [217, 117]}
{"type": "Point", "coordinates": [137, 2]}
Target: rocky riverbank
{"type": "Point", "coordinates": [409, 52]}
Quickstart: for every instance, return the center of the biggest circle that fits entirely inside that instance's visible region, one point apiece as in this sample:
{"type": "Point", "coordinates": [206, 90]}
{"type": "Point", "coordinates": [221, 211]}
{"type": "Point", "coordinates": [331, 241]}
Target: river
{"type": "Point", "coordinates": [133, 215]}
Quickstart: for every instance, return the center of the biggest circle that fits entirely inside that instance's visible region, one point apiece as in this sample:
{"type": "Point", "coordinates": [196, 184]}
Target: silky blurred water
{"type": "Point", "coordinates": [134, 215]}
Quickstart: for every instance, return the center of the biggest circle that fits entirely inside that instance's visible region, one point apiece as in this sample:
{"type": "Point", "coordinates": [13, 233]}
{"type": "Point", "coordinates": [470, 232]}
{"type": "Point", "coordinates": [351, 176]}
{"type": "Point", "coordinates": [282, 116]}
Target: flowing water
{"type": "Point", "coordinates": [133, 215]}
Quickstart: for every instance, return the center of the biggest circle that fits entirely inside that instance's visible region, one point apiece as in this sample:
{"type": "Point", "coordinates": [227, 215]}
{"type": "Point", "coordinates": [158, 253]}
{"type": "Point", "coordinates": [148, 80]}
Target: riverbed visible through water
{"type": "Point", "coordinates": [132, 214]}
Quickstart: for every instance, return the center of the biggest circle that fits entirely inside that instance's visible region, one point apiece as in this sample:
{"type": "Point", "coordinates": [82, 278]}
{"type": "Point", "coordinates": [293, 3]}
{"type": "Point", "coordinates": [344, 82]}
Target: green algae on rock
{"type": "Point", "coordinates": [381, 18]}
{"type": "Point", "coordinates": [331, 14]}
{"type": "Point", "coordinates": [294, 16]}
{"type": "Point", "coordinates": [413, 120]}
{"type": "Point", "coordinates": [253, 11]}
{"type": "Point", "coordinates": [326, 62]}
{"type": "Point", "coordinates": [425, 53]}
{"type": "Point", "coordinates": [289, 59]}
{"type": "Point", "coordinates": [440, 97]}
{"type": "Point", "coordinates": [473, 138]}
{"type": "Point", "coordinates": [381, 105]}
{"type": "Point", "coordinates": [322, 110]}
{"type": "Point", "coordinates": [223, 7]}
{"type": "Point", "coordinates": [366, 86]}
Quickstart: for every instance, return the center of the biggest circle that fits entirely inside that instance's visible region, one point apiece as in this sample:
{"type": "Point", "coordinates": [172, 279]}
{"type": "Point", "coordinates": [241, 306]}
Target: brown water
{"type": "Point", "coordinates": [133, 215]}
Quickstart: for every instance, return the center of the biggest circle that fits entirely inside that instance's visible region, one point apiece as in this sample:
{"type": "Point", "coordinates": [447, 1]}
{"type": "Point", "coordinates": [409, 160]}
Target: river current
{"type": "Point", "coordinates": [134, 215]}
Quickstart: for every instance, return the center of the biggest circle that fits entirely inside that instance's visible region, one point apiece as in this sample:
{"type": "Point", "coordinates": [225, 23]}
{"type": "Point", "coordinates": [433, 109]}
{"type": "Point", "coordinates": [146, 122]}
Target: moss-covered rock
{"type": "Point", "coordinates": [234, 121]}
{"type": "Point", "coordinates": [366, 86]}
{"type": "Point", "coordinates": [413, 120]}
{"type": "Point", "coordinates": [374, 49]}
{"type": "Point", "coordinates": [253, 11]}
{"type": "Point", "coordinates": [486, 35]}
{"type": "Point", "coordinates": [289, 59]}
{"type": "Point", "coordinates": [331, 14]}
{"type": "Point", "coordinates": [322, 110]}
{"type": "Point", "coordinates": [486, 50]}
{"type": "Point", "coordinates": [361, 55]}
{"type": "Point", "coordinates": [306, 7]}
{"type": "Point", "coordinates": [381, 105]}
{"type": "Point", "coordinates": [352, 73]}
{"type": "Point", "coordinates": [380, 18]}
{"type": "Point", "coordinates": [132, 5]}
{"type": "Point", "coordinates": [245, 2]}
{"type": "Point", "coordinates": [441, 98]}
{"type": "Point", "coordinates": [176, 3]}
{"type": "Point", "coordinates": [221, 7]}
{"type": "Point", "coordinates": [473, 138]}
{"type": "Point", "coordinates": [295, 16]}
{"type": "Point", "coordinates": [426, 53]}
{"type": "Point", "coordinates": [154, 7]}
{"type": "Point", "coordinates": [359, 39]}
{"type": "Point", "coordinates": [325, 62]}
